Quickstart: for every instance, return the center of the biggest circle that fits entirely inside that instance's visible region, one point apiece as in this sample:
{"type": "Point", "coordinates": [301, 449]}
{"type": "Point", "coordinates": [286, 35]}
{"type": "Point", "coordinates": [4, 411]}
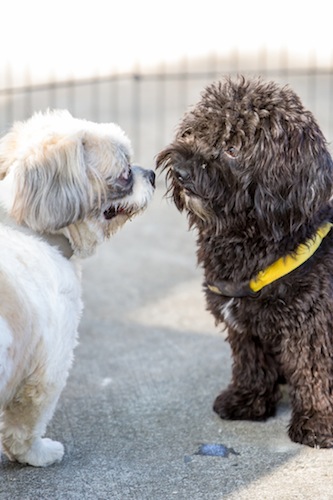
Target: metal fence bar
{"type": "Point", "coordinates": [148, 105]}
{"type": "Point", "coordinates": [183, 75]}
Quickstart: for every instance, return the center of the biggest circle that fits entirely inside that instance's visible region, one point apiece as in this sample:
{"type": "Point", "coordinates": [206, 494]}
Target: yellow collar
{"type": "Point", "coordinates": [278, 269]}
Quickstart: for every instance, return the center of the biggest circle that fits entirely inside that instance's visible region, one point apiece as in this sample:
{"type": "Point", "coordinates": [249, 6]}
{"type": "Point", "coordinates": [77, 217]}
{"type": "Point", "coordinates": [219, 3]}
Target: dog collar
{"type": "Point", "coordinates": [275, 271]}
{"type": "Point", "coordinates": [56, 240]}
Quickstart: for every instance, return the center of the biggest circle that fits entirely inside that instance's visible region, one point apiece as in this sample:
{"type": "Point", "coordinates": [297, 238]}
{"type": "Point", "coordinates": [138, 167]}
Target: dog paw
{"type": "Point", "coordinates": [315, 431]}
{"type": "Point", "coordinates": [237, 405]}
{"type": "Point", "coordinates": [42, 453]}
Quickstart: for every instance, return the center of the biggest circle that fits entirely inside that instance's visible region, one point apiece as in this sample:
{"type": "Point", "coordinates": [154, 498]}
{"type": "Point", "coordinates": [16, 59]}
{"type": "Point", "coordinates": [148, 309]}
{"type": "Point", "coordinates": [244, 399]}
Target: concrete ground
{"type": "Point", "coordinates": [138, 404]}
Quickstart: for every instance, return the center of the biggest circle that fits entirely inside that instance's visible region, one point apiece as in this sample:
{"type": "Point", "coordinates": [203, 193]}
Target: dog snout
{"type": "Point", "coordinates": [147, 174]}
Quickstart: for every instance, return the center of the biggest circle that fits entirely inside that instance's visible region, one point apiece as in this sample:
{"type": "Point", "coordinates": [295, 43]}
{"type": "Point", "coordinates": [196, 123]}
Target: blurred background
{"type": "Point", "coordinates": [143, 63]}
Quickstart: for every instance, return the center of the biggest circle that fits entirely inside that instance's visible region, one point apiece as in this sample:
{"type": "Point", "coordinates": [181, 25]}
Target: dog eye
{"type": "Point", "coordinates": [124, 179]}
{"type": "Point", "coordinates": [186, 132]}
{"type": "Point", "coordinates": [232, 152]}
{"type": "Point", "coordinates": [181, 178]}
{"type": "Point", "coordinates": [126, 173]}
{"type": "Point", "coordinates": [180, 174]}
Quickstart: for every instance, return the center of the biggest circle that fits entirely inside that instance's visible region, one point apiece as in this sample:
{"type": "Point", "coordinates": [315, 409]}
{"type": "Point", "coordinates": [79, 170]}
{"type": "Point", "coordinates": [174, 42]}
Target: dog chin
{"type": "Point", "coordinates": [86, 235]}
{"type": "Point", "coordinates": [191, 203]}
{"type": "Point", "coordinates": [194, 204]}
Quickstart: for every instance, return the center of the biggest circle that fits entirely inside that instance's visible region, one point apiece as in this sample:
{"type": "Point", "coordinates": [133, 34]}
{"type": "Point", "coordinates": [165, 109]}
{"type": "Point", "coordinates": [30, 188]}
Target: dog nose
{"type": "Point", "coordinates": [151, 177]}
{"type": "Point", "coordinates": [147, 174]}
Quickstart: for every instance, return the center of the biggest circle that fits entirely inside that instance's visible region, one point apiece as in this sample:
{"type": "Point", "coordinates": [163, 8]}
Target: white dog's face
{"type": "Point", "coordinates": [64, 175]}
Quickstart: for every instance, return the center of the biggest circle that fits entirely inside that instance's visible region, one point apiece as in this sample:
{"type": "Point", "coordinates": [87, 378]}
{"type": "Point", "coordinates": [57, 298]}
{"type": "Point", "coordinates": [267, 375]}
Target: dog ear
{"type": "Point", "coordinates": [51, 188]}
{"type": "Point", "coordinates": [295, 183]}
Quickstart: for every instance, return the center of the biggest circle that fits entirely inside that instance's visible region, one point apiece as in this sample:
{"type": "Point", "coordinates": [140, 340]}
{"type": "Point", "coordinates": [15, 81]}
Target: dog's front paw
{"type": "Point", "coordinates": [234, 404]}
{"type": "Point", "coordinates": [315, 431]}
{"type": "Point", "coordinates": [42, 453]}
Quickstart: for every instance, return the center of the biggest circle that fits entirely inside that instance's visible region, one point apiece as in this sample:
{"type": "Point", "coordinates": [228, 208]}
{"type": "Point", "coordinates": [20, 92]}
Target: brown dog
{"type": "Point", "coordinates": [251, 168]}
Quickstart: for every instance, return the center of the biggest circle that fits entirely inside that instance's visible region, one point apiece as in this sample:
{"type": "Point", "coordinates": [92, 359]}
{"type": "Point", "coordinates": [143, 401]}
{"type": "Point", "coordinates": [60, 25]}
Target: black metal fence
{"type": "Point", "coordinates": [148, 105]}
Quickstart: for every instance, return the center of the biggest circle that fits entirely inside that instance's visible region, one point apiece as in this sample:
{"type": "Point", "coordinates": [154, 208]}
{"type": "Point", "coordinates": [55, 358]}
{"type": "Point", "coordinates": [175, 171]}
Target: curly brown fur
{"type": "Point", "coordinates": [251, 168]}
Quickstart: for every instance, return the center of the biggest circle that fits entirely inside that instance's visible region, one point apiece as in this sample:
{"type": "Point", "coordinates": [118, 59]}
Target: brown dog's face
{"type": "Point", "coordinates": [248, 151]}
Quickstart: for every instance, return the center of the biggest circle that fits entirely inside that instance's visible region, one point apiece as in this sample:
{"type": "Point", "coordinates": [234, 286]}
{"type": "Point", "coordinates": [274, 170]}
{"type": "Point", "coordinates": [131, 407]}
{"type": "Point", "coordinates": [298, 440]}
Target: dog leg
{"type": "Point", "coordinates": [315, 430]}
{"type": "Point", "coordinates": [312, 403]}
{"type": "Point", "coordinates": [254, 390]}
{"type": "Point", "coordinates": [23, 423]}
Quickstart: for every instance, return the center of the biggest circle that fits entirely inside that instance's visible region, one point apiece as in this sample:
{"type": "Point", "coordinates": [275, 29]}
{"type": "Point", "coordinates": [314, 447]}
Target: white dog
{"type": "Point", "coordinates": [65, 186]}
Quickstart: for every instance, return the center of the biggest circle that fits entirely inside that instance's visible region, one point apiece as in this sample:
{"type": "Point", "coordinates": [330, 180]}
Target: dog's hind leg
{"type": "Point", "coordinates": [23, 423]}
{"type": "Point", "coordinates": [26, 414]}
{"type": "Point", "coordinates": [254, 390]}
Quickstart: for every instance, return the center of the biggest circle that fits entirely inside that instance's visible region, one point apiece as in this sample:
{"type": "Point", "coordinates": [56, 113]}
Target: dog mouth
{"type": "Point", "coordinates": [130, 193]}
{"type": "Point", "coordinates": [113, 211]}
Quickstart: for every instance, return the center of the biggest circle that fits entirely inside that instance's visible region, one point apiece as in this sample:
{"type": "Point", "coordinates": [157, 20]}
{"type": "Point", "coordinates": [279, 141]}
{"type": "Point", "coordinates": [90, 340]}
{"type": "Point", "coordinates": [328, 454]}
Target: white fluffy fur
{"type": "Point", "coordinates": [56, 175]}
